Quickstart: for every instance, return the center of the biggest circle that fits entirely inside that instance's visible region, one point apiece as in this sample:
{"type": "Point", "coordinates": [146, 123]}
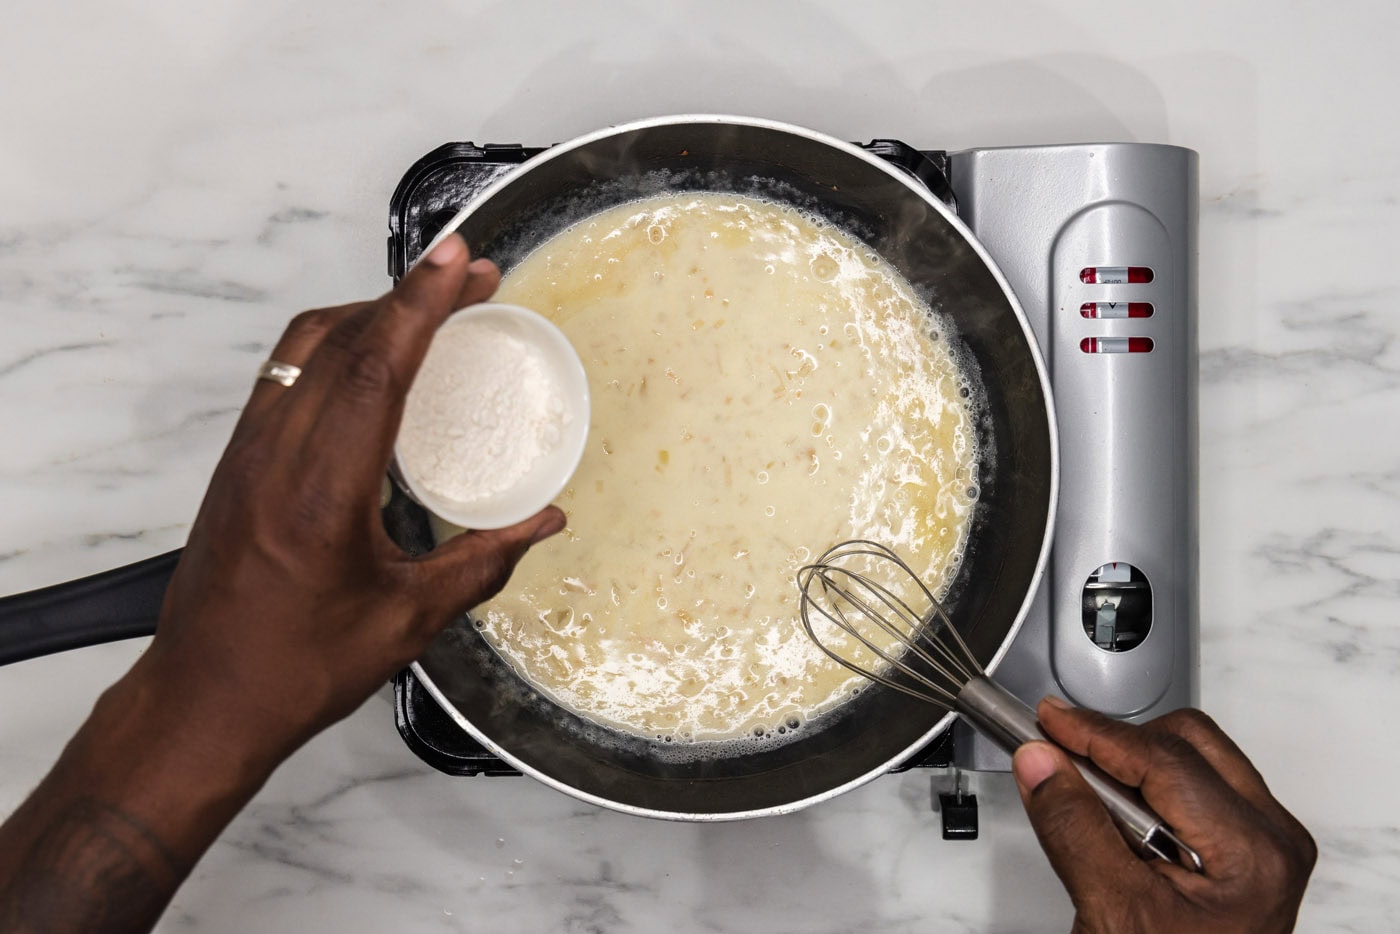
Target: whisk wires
{"type": "Point", "coordinates": [846, 587]}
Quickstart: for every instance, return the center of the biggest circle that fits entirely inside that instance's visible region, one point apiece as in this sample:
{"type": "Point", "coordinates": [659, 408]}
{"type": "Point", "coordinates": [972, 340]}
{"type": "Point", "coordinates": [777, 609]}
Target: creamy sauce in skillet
{"type": "Point", "coordinates": [763, 387]}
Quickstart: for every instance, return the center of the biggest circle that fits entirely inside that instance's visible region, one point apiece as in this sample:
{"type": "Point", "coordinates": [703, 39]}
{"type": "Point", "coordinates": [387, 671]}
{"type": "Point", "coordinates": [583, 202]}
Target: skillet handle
{"type": "Point", "coordinates": [119, 604]}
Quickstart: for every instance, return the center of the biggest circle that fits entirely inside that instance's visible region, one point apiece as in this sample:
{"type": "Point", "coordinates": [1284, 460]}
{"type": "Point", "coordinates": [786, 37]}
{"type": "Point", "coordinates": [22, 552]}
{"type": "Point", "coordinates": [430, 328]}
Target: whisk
{"type": "Point", "coordinates": [897, 634]}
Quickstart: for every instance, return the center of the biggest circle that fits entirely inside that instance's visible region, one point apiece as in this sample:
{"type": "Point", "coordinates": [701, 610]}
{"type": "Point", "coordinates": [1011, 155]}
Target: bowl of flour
{"type": "Point", "coordinates": [496, 420]}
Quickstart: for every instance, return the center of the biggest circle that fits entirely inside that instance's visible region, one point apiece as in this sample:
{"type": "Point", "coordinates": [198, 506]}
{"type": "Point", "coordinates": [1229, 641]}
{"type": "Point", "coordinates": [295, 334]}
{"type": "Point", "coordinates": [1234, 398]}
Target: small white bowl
{"type": "Point", "coordinates": [549, 474]}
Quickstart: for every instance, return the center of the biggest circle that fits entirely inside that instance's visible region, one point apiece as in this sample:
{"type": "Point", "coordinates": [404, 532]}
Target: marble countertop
{"type": "Point", "coordinates": [177, 179]}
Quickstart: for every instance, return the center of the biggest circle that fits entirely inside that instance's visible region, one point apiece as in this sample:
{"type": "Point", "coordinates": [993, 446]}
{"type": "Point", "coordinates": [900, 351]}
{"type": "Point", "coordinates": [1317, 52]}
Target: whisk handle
{"type": "Point", "coordinates": [1006, 720]}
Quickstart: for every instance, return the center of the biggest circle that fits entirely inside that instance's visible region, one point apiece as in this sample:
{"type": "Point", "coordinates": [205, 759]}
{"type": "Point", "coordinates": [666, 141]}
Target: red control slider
{"type": "Point", "coordinates": [1116, 345]}
{"type": "Point", "coordinates": [1114, 275]}
{"type": "Point", "coordinates": [1116, 309]}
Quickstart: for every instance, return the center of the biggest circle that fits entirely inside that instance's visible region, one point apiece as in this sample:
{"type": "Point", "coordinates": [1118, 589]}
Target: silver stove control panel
{"type": "Point", "coordinates": [1099, 244]}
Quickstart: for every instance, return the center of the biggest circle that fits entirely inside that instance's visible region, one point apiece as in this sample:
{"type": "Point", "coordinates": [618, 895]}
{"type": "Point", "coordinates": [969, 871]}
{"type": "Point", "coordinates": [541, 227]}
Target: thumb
{"type": "Point", "coordinates": [474, 566]}
{"type": "Point", "coordinates": [1084, 846]}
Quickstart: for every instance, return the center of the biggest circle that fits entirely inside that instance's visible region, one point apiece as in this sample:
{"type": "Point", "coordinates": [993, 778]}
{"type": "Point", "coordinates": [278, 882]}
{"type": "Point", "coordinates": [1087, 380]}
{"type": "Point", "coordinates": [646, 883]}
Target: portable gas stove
{"type": "Point", "coordinates": [1098, 242]}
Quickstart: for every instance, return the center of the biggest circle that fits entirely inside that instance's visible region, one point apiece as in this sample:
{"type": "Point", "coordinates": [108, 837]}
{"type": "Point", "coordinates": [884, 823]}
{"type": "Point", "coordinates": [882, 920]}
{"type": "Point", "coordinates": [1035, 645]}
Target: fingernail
{"type": "Point", "coordinates": [480, 267]}
{"type": "Point", "coordinates": [1059, 703]}
{"type": "Point", "coordinates": [553, 526]}
{"type": "Point", "coordinates": [1032, 764]}
{"type": "Point", "coordinates": [447, 252]}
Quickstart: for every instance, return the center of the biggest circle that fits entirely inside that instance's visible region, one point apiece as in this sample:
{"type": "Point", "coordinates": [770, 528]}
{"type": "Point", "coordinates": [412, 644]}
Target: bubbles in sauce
{"type": "Point", "coordinates": [763, 387]}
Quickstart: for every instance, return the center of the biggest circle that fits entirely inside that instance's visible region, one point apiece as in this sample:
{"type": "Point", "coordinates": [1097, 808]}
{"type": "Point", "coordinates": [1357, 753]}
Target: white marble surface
{"type": "Point", "coordinates": [176, 179]}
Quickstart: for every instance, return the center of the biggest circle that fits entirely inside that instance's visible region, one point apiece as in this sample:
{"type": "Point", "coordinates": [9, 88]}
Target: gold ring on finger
{"type": "Point", "coordinates": [279, 372]}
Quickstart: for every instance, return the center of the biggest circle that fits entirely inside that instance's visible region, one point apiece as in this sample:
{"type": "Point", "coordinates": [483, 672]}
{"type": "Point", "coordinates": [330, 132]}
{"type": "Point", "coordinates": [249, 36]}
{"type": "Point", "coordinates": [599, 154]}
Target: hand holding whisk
{"type": "Point", "coordinates": [870, 612]}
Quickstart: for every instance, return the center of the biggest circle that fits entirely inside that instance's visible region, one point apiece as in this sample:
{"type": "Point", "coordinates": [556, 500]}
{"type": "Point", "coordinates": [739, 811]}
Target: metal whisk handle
{"type": "Point", "coordinates": [1007, 720]}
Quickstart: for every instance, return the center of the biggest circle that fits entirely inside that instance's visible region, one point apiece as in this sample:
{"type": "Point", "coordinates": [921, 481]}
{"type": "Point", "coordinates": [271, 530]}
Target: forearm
{"type": "Point", "coordinates": [136, 798]}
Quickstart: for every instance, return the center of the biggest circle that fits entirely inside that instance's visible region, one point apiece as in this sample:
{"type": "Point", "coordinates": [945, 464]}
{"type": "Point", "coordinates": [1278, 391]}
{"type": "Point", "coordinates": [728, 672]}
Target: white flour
{"type": "Point", "coordinates": [483, 409]}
